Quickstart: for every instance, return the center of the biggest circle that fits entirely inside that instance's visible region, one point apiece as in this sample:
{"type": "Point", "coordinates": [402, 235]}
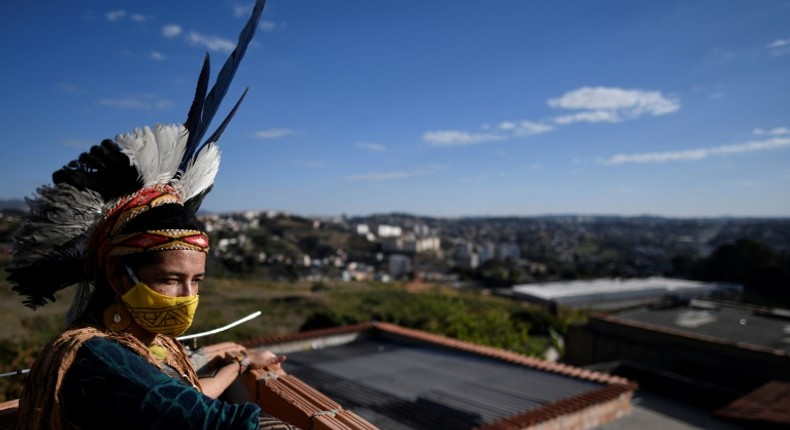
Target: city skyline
{"type": "Point", "coordinates": [444, 109]}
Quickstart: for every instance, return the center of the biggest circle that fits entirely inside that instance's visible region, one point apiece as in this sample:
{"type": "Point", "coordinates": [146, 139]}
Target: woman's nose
{"type": "Point", "coordinates": [191, 288]}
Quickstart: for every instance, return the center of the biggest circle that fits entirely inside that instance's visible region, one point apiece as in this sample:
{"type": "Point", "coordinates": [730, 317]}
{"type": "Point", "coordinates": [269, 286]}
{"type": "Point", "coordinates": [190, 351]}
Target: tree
{"type": "Point", "coordinates": [763, 273]}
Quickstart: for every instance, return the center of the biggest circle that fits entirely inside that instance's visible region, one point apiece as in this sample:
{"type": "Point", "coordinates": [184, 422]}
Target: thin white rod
{"type": "Point", "coordinates": [217, 330]}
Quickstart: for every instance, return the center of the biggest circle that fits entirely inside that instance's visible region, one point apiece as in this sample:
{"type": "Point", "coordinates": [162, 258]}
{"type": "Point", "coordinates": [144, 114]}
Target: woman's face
{"type": "Point", "coordinates": [175, 273]}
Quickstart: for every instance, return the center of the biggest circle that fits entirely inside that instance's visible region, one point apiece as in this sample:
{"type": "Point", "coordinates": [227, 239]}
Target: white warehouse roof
{"type": "Point", "coordinates": [601, 293]}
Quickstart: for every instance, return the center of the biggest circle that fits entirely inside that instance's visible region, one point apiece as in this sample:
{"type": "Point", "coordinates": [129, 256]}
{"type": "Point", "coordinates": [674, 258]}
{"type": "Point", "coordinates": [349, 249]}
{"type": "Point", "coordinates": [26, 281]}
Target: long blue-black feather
{"type": "Point", "coordinates": [224, 78]}
{"type": "Point", "coordinates": [218, 132]}
{"type": "Point", "coordinates": [196, 110]}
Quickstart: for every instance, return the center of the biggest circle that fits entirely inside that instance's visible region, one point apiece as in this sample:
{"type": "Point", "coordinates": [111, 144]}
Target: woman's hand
{"type": "Point", "coordinates": [258, 359]}
{"type": "Point", "coordinates": [231, 367]}
{"type": "Point", "coordinates": [261, 359]}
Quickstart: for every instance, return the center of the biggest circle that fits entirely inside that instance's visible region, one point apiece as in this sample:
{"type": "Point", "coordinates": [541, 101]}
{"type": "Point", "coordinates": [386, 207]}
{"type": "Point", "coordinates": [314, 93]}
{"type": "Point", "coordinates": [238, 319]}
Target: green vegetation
{"type": "Point", "coordinates": [763, 272]}
{"type": "Point", "coordinates": [291, 307]}
{"type": "Point", "coordinates": [461, 315]}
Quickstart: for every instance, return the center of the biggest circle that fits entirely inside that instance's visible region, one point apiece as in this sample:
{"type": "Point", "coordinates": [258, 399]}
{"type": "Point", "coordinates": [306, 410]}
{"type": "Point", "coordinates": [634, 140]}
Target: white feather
{"type": "Point", "coordinates": [156, 153]}
{"type": "Point", "coordinates": [200, 173]}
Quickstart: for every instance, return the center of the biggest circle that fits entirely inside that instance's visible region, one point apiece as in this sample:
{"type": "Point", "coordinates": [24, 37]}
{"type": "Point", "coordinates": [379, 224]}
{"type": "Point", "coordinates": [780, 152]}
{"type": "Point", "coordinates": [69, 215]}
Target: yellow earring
{"type": "Point", "coordinates": [117, 318]}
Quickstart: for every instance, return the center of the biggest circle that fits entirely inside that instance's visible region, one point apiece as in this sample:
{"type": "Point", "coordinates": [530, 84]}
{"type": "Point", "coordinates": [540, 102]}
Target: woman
{"type": "Point", "coordinates": [118, 365]}
{"type": "Point", "coordinates": [119, 222]}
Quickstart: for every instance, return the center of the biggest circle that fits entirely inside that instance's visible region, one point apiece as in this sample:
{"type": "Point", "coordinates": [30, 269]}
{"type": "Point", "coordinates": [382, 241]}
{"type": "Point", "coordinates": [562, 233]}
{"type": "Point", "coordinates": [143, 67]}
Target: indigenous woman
{"type": "Point", "coordinates": [119, 223]}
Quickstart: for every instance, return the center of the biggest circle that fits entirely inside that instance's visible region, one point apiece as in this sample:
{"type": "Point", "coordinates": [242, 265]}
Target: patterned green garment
{"type": "Point", "coordinates": [110, 386]}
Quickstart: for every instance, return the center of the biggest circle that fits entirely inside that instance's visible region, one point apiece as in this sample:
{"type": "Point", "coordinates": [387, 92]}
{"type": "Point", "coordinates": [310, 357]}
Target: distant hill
{"type": "Point", "coordinates": [13, 204]}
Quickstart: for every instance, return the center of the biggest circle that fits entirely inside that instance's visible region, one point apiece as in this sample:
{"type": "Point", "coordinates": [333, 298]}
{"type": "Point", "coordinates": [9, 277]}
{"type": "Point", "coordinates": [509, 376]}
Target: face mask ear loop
{"type": "Point", "coordinates": [131, 274]}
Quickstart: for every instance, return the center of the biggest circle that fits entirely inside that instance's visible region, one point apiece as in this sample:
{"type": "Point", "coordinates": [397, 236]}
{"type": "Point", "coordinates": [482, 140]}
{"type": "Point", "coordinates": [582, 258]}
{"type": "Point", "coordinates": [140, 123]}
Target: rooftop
{"type": "Point", "coordinates": [768, 406]}
{"type": "Point", "coordinates": [404, 379]}
{"type": "Point", "coordinates": [738, 324]}
{"type": "Point", "coordinates": [599, 292]}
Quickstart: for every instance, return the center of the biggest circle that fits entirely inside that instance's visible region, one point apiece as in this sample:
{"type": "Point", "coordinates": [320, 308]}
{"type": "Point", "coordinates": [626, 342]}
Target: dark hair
{"type": "Point", "coordinates": [163, 217]}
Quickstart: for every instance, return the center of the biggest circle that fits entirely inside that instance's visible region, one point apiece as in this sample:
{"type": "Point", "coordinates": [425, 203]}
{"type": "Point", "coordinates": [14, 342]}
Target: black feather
{"type": "Point", "coordinates": [39, 281]}
{"type": "Point", "coordinates": [194, 203]}
{"type": "Point", "coordinates": [218, 132]}
{"type": "Point", "coordinates": [214, 98]}
{"type": "Point", "coordinates": [104, 169]}
{"type": "Point", "coordinates": [196, 110]}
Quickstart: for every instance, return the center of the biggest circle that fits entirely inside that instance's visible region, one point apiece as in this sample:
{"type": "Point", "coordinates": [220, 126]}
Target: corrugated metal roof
{"type": "Point", "coordinates": [400, 385]}
{"type": "Point", "coordinates": [740, 324]}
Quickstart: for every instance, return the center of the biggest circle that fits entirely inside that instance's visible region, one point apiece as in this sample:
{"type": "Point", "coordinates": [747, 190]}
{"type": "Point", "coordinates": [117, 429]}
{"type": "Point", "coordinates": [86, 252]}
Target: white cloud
{"type": "Point", "coordinates": [240, 11]}
{"type": "Point", "coordinates": [607, 104]}
{"type": "Point", "coordinates": [523, 128]}
{"type": "Point", "coordinates": [268, 26]}
{"type": "Point", "coordinates": [458, 138]}
{"type": "Point", "coordinates": [589, 116]}
{"type": "Point", "coordinates": [314, 164]}
{"type": "Point", "coordinates": [212, 43]}
{"type": "Point", "coordinates": [695, 154]}
{"type": "Point", "coordinates": [389, 176]}
{"type": "Point", "coordinates": [141, 102]}
{"type": "Point", "coordinates": [591, 104]}
{"type": "Point", "coordinates": [373, 147]}
{"type": "Point", "coordinates": [274, 133]}
{"type": "Point", "coordinates": [504, 130]}
{"type": "Point", "coordinates": [115, 15]}
{"type": "Point", "coordinates": [781, 43]}
{"type": "Point", "coordinates": [779, 47]}
{"type": "Point", "coordinates": [171, 30]}
{"type": "Point", "coordinates": [772, 132]}
{"type": "Point", "coordinates": [158, 56]}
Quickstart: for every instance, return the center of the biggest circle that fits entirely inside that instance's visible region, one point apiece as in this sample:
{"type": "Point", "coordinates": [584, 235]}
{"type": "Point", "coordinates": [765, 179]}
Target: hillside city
{"type": "Point", "coordinates": [476, 251]}
{"type": "Point", "coordinates": [483, 251]}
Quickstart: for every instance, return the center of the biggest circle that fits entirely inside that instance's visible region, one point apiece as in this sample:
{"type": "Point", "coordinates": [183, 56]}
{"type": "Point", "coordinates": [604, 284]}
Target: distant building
{"type": "Point", "coordinates": [618, 293]}
{"type": "Point", "coordinates": [388, 231]}
{"type": "Point", "coordinates": [723, 356]}
{"type": "Point", "coordinates": [400, 265]}
{"type": "Point", "coordinates": [486, 252]}
{"type": "Point", "coordinates": [410, 244]}
{"type": "Point", "coordinates": [428, 244]}
{"type": "Point", "coordinates": [505, 251]}
{"type": "Point", "coordinates": [466, 257]}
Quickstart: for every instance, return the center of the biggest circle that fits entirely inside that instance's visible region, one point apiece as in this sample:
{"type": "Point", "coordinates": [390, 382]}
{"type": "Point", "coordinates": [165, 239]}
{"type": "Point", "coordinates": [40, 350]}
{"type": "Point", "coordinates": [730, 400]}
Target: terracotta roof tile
{"type": "Point", "coordinates": [8, 414]}
{"type": "Point", "coordinates": [290, 399]}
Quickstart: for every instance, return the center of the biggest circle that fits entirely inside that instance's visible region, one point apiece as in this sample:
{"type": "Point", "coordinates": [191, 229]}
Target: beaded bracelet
{"type": "Point", "coordinates": [244, 362]}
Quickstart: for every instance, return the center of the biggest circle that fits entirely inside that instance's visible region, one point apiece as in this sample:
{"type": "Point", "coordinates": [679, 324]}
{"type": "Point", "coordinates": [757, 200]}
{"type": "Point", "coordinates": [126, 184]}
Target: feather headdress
{"type": "Point", "coordinates": [92, 196]}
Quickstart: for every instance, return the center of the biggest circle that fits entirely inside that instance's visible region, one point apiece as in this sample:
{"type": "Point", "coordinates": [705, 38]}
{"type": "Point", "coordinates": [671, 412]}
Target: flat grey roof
{"type": "Point", "coordinates": [727, 322]}
{"type": "Point", "coordinates": [400, 386]}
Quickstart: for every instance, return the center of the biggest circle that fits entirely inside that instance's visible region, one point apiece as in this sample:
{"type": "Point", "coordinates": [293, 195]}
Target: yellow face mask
{"type": "Point", "coordinates": [157, 313]}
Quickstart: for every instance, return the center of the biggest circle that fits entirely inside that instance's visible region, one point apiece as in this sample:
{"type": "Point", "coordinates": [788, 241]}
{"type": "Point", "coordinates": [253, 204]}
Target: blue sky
{"type": "Point", "coordinates": [432, 107]}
